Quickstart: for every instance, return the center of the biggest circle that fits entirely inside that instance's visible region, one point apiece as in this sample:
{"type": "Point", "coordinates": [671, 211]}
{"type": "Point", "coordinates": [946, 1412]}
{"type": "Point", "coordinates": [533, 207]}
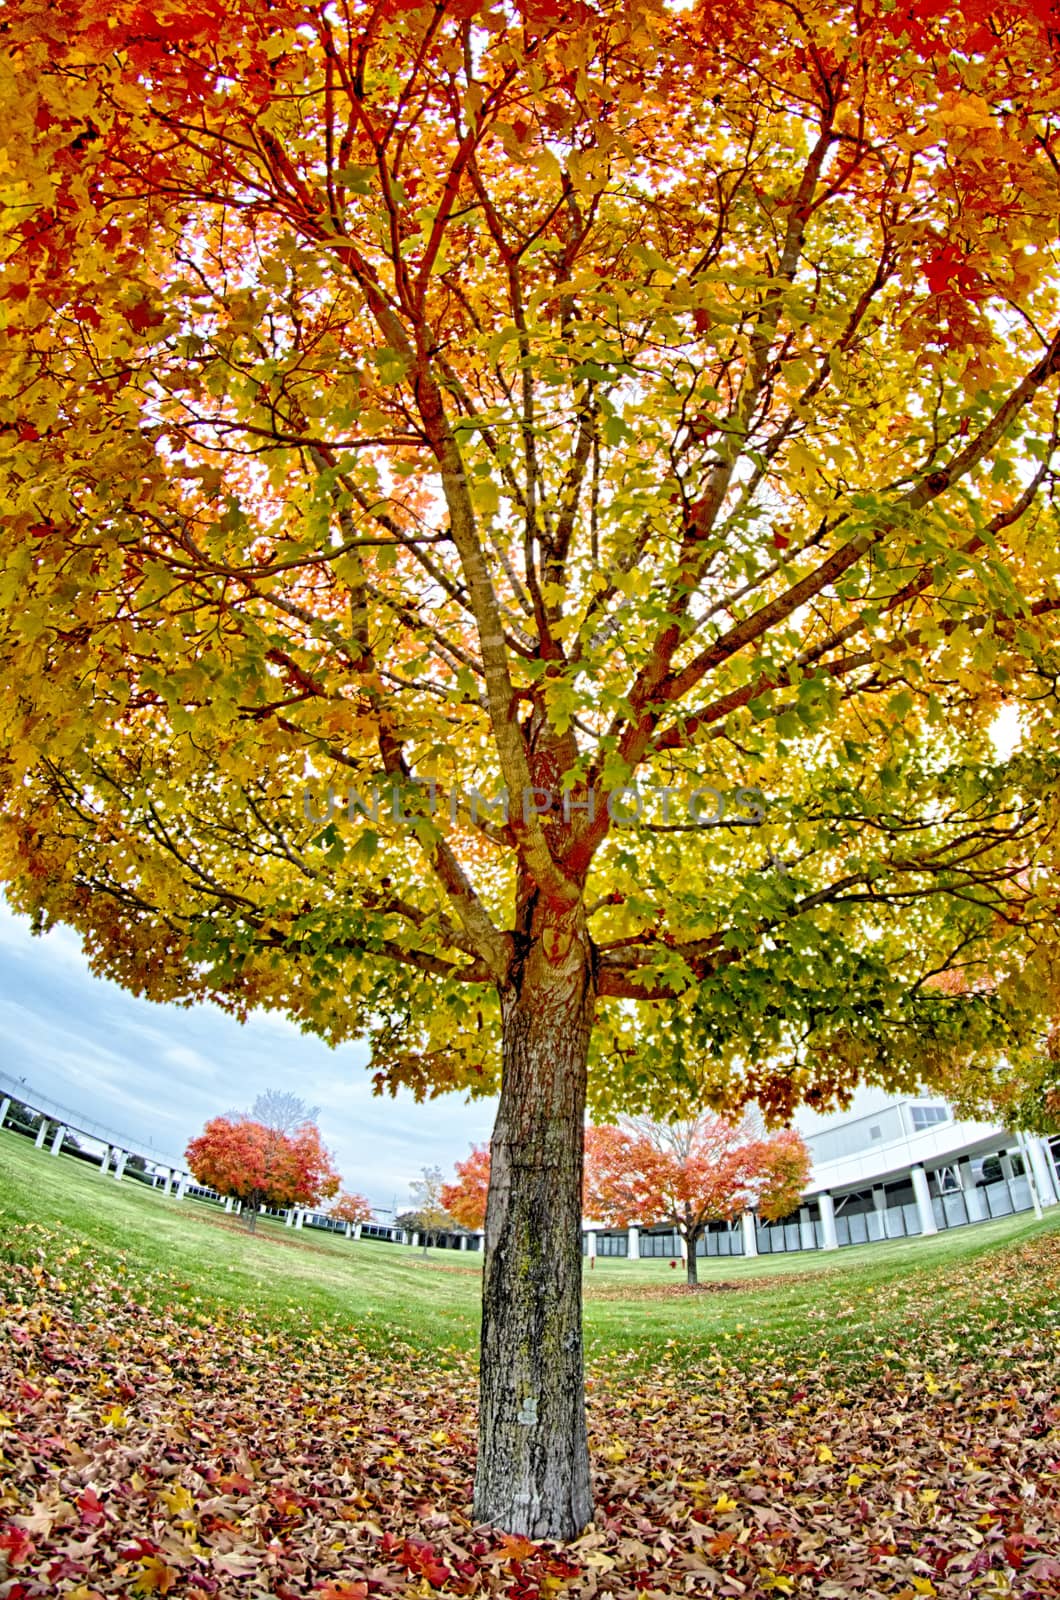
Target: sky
{"type": "Point", "coordinates": [156, 1073]}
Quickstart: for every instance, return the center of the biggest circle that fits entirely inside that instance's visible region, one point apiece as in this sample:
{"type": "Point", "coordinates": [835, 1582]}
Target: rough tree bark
{"type": "Point", "coordinates": [532, 1476]}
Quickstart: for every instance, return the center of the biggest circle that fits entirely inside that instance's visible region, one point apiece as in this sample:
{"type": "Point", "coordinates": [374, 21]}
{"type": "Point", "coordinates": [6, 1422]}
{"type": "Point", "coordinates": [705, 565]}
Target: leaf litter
{"type": "Point", "coordinates": [187, 1450]}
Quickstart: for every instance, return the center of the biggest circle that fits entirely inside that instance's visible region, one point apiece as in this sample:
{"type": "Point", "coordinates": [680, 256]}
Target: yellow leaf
{"type": "Point", "coordinates": [178, 1500]}
{"type": "Point", "coordinates": [824, 1454]}
{"type": "Point", "coordinates": [155, 1576]}
{"type": "Point", "coordinates": [724, 1502]}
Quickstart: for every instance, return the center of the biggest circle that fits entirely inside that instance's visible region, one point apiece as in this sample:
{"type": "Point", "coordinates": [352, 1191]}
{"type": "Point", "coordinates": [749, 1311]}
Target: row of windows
{"type": "Point", "coordinates": [928, 1116]}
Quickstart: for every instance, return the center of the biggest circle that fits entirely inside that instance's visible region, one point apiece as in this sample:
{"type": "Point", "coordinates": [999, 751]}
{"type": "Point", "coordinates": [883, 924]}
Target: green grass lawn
{"type": "Point", "coordinates": [854, 1304]}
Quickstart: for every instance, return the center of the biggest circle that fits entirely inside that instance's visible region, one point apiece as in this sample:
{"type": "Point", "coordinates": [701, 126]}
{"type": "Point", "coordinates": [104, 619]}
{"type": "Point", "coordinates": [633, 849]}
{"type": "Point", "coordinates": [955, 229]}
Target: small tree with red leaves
{"type": "Point", "coordinates": [262, 1166]}
{"type": "Point", "coordinates": [691, 1174]}
{"type": "Point", "coordinates": [351, 1208]}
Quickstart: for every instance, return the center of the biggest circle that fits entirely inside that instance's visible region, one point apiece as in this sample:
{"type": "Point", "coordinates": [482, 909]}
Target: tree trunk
{"type": "Point", "coordinates": [691, 1269]}
{"type": "Point", "coordinates": [532, 1476]}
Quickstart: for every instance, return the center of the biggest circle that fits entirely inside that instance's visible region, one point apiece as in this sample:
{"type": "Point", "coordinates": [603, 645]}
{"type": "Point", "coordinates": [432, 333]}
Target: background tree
{"type": "Point", "coordinates": [465, 1197]}
{"type": "Point", "coordinates": [431, 1214]}
{"type": "Point", "coordinates": [283, 1111]}
{"type": "Point", "coordinates": [262, 1166]}
{"type": "Point", "coordinates": [692, 1173]}
{"type": "Point", "coordinates": [562, 401]}
{"type": "Point", "coordinates": [351, 1208]}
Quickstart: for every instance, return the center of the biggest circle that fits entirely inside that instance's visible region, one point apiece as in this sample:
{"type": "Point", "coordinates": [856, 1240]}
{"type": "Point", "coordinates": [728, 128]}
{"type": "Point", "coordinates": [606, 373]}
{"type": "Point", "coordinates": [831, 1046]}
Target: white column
{"type": "Point", "coordinates": [633, 1244]}
{"type": "Point", "coordinates": [1043, 1170]}
{"type": "Point", "coordinates": [349, 1230]}
{"type": "Point", "coordinates": [42, 1133]}
{"type": "Point", "coordinates": [167, 1187]}
{"type": "Point", "coordinates": [288, 1219]}
{"type": "Point", "coordinates": [1009, 1174]}
{"type": "Point", "coordinates": [925, 1209]}
{"type": "Point", "coordinates": [590, 1236]}
{"type": "Point", "coordinates": [414, 1241]}
{"type": "Point", "coordinates": [826, 1206]}
{"type": "Point", "coordinates": [119, 1169]}
{"type": "Point", "coordinates": [807, 1237]}
{"type": "Point", "coordinates": [357, 1230]}
{"type": "Point", "coordinates": [750, 1236]}
{"type": "Point", "coordinates": [480, 1241]}
{"type": "Point", "coordinates": [973, 1200]}
{"type": "Point", "coordinates": [879, 1207]}
{"type": "Point", "coordinates": [299, 1218]}
{"type": "Point", "coordinates": [1050, 1162]}
{"type": "Point", "coordinates": [5, 1107]}
{"type": "Point", "coordinates": [57, 1141]}
{"type": "Point", "coordinates": [105, 1161]}
{"type": "Point", "coordinates": [182, 1186]}
{"type": "Point", "coordinates": [1030, 1173]}
{"type": "Point", "coordinates": [228, 1202]}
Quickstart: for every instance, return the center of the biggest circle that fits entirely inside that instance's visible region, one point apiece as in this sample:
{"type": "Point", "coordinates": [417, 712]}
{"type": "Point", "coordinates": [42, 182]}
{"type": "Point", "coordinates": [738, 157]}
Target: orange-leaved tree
{"type": "Point", "coordinates": [350, 1208]}
{"type": "Point", "coordinates": [517, 524]}
{"type": "Point", "coordinates": [693, 1172]}
{"type": "Point", "coordinates": [465, 1197]}
{"type": "Point", "coordinates": [262, 1166]}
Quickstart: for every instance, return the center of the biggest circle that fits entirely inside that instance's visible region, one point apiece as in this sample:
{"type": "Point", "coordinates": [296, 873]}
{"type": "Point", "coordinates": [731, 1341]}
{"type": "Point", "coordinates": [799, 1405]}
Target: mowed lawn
{"type": "Point", "coordinates": [849, 1302]}
{"type": "Point", "coordinates": [193, 1411]}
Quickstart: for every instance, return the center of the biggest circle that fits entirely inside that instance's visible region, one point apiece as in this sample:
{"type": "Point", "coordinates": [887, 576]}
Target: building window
{"type": "Point", "coordinates": [928, 1116]}
{"type": "Point", "coordinates": [875, 1132]}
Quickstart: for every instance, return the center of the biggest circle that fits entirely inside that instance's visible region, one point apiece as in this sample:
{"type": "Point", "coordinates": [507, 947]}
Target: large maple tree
{"type": "Point", "coordinates": [562, 399]}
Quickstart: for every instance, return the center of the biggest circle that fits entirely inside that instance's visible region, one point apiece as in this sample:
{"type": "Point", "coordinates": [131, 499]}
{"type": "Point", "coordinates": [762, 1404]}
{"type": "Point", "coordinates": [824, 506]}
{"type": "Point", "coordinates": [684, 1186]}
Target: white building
{"type": "Point", "coordinates": [885, 1169]}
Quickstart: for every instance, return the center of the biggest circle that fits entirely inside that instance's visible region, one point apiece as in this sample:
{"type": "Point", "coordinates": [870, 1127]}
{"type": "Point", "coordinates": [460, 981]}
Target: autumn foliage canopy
{"type": "Point", "coordinates": [527, 398]}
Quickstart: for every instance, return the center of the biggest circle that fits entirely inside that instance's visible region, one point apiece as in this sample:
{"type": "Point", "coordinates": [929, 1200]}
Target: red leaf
{"type": "Point", "coordinates": [142, 316]}
{"type": "Point", "coordinates": [91, 1508]}
{"type": "Point", "coordinates": [16, 1545]}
